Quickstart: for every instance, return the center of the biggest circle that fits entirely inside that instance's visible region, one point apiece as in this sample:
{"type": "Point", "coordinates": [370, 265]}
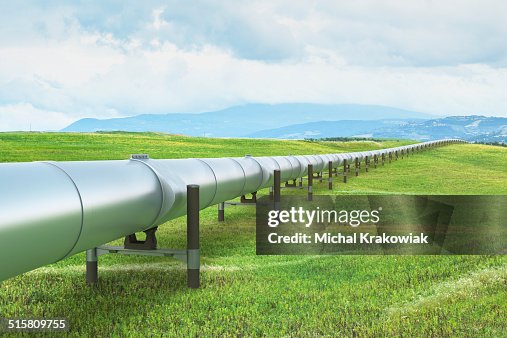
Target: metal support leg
{"type": "Point", "coordinates": [277, 185]}
{"type": "Point", "coordinates": [367, 163]}
{"type": "Point", "coordinates": [383, 158]}
{"type": "Point", "coordinates": [271, 194]}
{"type": "Point", "coordinates": [357, 166]}
{"type": "Point", "coordinates": [193, 255]}
{"type": "Point", "coordinates": [92, 268]}
{"type": "Point", "coordinates": [300, 182]}
{"type": "Point", "coordinates": [320, 177]}
{"type": "Point", "coordinates": [344, 171]}
{"type": "Point", "coordinates": [221, 212]}
{"type": "Point", "coordinates": [310, 182]}
{"type": "Point", "coordinates": [330, 167]}
{"type": "Point", "coordinates": [132, 246]}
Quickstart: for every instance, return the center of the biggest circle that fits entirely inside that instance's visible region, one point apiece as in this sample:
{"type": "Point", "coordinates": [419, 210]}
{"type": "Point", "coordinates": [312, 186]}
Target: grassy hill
{"type": "Point", "coordinates": [245, 294]}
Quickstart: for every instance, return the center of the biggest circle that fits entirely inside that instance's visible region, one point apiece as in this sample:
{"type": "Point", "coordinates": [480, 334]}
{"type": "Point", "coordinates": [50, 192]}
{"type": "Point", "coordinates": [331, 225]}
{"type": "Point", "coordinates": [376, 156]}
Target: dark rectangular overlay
{"type": "Point", "coordinates": [383, 224]}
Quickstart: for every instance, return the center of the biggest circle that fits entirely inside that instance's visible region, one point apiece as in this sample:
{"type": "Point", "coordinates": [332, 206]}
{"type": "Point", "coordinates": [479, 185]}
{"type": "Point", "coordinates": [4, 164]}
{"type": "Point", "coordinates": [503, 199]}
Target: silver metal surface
{"type": "Point", "coordinates": [40, 216]}
{"type": "Point", "coordinates": [285, 166]}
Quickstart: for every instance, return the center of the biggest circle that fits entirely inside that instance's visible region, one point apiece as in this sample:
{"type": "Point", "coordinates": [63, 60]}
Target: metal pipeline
{"type": "Point", "coordinates": [52, 210]}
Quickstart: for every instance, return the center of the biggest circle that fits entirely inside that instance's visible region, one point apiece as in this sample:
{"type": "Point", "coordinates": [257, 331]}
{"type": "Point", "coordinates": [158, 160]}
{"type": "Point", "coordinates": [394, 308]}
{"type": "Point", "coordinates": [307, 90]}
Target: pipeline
{"type": "Point", "coordinates": [52, 210]}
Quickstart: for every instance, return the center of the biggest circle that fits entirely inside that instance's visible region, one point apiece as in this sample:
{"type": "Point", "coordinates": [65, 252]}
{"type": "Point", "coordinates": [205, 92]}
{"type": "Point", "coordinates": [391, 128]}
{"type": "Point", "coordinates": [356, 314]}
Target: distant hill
{"type": "Point", "coordinates": [243, 120]}
{"type": "Point", "coordinates": [323, 129]}
{"type": "Point", "coordinates": [472, 128]}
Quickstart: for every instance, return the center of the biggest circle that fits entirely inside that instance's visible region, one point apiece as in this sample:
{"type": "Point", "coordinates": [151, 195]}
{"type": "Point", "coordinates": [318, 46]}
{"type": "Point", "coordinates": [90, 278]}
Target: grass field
{"type": "Point", "coordinates": [249, 295]}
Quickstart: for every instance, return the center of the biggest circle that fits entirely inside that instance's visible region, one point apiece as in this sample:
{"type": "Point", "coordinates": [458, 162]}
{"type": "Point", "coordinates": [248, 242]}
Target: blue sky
{"type": "Point", "coordinates": [61, 61]}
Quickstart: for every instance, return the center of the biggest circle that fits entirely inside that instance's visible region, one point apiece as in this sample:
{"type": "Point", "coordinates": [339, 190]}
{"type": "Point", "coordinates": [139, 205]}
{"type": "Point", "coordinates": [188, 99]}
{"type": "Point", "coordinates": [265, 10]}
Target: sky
{"type": "Point", "coordinates": [65, 60]}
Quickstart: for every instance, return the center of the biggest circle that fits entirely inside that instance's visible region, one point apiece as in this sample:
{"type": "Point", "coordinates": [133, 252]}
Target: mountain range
{"type": "Point", "coordinates": [472, 128]}
{"type": "Point", "coordinates": [299, 121]}
{"type": "Point", "coordinates": [240, 121]}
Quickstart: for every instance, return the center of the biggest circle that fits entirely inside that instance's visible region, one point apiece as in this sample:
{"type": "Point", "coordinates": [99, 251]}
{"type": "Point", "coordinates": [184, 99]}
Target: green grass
{"type": "Point", "coordinates": [16, 147]}
{"type": "Point", "coordinates": [245, 294]}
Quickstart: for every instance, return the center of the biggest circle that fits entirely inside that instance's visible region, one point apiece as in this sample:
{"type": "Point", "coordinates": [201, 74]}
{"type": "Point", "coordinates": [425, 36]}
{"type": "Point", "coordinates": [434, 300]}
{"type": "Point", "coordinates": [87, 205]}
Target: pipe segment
{"type": "Point", "coordinates": [52, 210]}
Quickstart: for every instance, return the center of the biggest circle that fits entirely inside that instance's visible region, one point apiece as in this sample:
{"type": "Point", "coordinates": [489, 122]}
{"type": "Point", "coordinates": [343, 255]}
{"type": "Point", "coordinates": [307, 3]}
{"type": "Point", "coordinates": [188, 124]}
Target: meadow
{"type": "Point", "coordinates": [247, 295]}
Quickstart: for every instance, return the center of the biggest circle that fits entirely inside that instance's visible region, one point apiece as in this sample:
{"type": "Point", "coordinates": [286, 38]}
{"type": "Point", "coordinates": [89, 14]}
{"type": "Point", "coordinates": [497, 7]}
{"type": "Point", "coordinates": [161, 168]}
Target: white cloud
{"type": "Point", "coordinates": [158, 21]}
{"type": "Point", "coordinates": [25, 117]}
{"type": "Point", "coordinates": [438, 57]}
